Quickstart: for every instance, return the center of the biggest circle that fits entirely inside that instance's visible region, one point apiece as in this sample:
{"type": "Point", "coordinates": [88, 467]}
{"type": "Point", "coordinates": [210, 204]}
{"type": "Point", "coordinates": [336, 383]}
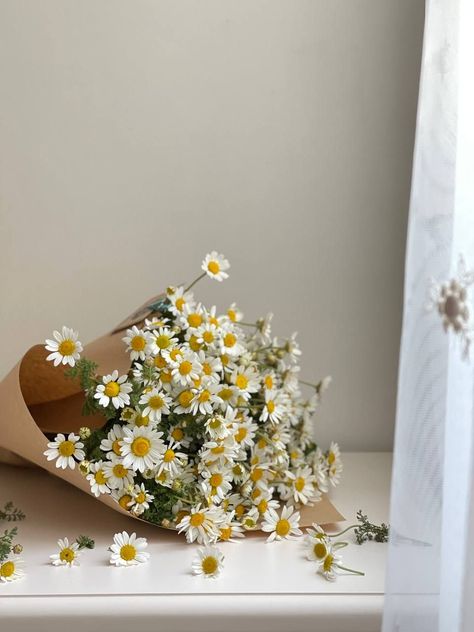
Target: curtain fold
{"type": "Point", "coordinates": [430, 575]}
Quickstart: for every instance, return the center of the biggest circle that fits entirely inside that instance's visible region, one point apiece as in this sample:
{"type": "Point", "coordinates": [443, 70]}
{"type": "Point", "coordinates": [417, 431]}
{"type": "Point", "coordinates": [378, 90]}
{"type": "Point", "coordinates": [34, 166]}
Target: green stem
{"type": "Point", "coordinates": [352, 526]}
{"type": "Point", "coordinates": [201, 276]}
{"type": "Point", "coordinates": [307, 383]}
{"type": "Point", "coordinates": [349, 570]}
{"type": "Point", "coordinates": [246, 324]}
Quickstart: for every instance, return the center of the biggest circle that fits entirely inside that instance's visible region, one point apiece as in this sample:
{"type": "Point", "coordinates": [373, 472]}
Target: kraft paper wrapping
{"type": "Point", "coordinates": [36, 398]}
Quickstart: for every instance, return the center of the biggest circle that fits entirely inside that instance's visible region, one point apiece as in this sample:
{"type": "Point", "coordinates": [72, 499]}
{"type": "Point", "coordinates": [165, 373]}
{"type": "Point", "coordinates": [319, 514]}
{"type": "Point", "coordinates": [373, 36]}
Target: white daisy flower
{"type": "Point", "coordinates": [142, 448]}
{"type": "Point", "coordinates": [246, 380]}
{"type": "Point", "coordinates": [334, 463]}
{"type": "Point", "coordinates": [205, 399]}
{"type": "Point", "coordinates": [66, 451]}
{"type": "Point", "coordinates": [118, 476]}
{"type": "Point", "coordinates": [207, 334]}
{"type": "Point", "coordinates": [244, 433]}
{"type": "Point", "coordinates": [231, 343]}
{"type": "Point", "coordinates": [216, 485]}
{"type": "Point", "coordinates": [228, 395]}
{"type": "Point", "coordinates": [141, 500]}
{"type": "Point", "coordinates": [216, 427]}
{"type": "Point", "coordinates": [230, 529]}
{"type": "Point", "coordinates": [184, 401]}
{"type": "Point", "coordinates": [215, 266]}
{"type": "Point", "coordinates": [65, 348]}
{"type": "Point", "coordinates": [98, 479]}
{"type": "Point", "coordinates": [11, 570]}
{"type": "Point", "coordinates": [201, 524]}
{"type": "Point", "coordinates": [113, 444]}
{"type": "Point", "coordinates": [317, 548]}
{"type": "Point", "coordinates": [68, 554]}
{"type": "Point", "coordinates": [113, 389]}
{"type": "Point", "coordinates": [179, 299]}
{"type": "Point", "coordinates": [273, 409]}
{"type": "Point", "coordinates": [300, 486]}
{"type": "Point", "coordinates": [208, 562]}
{"type": "Point", "coordinates": [156, 403]}
{"type": "Point", "coordinates": [172, 461]}
{"type": "Point", "coordinates": [192, 317]}
{"type": "Point", "coordinates": [177, 434]}
{"type": "Point", "coordinates": [329, 565]}
{"type": "Point", "coordinates": [284, 526]}
{"type": "Point", "coordinates": [155, 322]}
{"type": "Point", "coordinates": [137, 342]}
{"type": "Point", "coordinates": [234, 314]}
{"type": "Point", "coordinates": [211, 367]}
{"type": "Point", "coordinates": [162, 340]}
{"type": "Point", "coordinates": [186, 369]}
{"type": "Point", "coordinates": [128, 550]}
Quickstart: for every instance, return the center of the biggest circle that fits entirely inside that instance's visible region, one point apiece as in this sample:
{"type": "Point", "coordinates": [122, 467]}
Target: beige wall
{"type": "Point", "coordinates": [137, 135]}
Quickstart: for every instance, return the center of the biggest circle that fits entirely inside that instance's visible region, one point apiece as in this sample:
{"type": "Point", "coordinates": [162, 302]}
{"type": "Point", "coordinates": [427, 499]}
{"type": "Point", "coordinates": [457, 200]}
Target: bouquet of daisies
{"type": "Point", "coordinates": [208, 432]}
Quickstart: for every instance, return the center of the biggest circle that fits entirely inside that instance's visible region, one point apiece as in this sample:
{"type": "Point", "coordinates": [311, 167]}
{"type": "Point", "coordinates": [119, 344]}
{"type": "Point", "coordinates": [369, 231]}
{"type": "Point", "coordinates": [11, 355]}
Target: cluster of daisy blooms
{"type": "Point", "coordinates": [208, 432]}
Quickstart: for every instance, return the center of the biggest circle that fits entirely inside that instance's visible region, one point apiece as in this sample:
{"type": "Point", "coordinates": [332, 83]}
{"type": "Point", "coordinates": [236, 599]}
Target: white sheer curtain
{"type": "Point", "coordinates": [430, 578]}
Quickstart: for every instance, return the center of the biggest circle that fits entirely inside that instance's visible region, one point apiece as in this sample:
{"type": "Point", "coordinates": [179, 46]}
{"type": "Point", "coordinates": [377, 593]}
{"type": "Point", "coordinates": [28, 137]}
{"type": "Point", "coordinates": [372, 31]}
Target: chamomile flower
{"type": "Point", "coordinates": [97, 479]}
{"type": "Point", "coordinates": [155, 322]}
{"type": "Point", "coordinates": [65, 451]}
{"type": "Point", "coordinates": [334, 464]}
{"type": "Point", "coordinates": [208, 562]}
{"type": "Point", "coordinates": [201, 524]}
{"type": "Point", "coordinates": [112, 445]}
{"type": "Point", "coordinates": [178, 434]}
{"type": "Point", "coordinates": [244, 433]}
{"type": "Point", "coordinates": [231, 343]}
{"type": "Point", "coordinates": [234, 314]}
{"type": "Point", "coordinates": [246, 380]}
{"type": "Point", "coordinates": [215, 266]}
{"type": "Point", "coordinates": [118, 476]}
{"type": "Point", "coordinates": [162, 340]}
{"type": "Point", "coordinates": [273, 408]}
{"type": "Point", "coordinates": [205, 399]}
{"type": "Point", "coordinates": [172, 460]}
{"type": "Point", "coordinates": [329, 565]}
{"type": "Point", "coordinates": [11, 570]}
{"type": "Point", "coordinates": [65, 348]}
{"type": "Point", "coordinates": [128, 550]}
{"type": "Point", "coordinates": [216, 427]}
{"type": "Point", "coordinates": [192, 317]}
{"type": "Point", "coordinates": [68, 554]}
{"type": "Point", "coordinates": [156, 403]}
{"type": "Point", "coordinates": [114, 389]}
{"type": "Point", "coordinates": [142, 448]}
{"type": "Point", "coordinates": [230, 529]}
{"type": "Point", "coordinates": [207, 334]}
{"type": "Point", "coordinates": [186, 369]}
{"type": "Point", "coordinates": [179, 299]}
{"type": "Point", "coordinates": [211, 367]}
{"type": "Point", "coordinates": [283, 526]}
{"type": "Point", "coordinates": [216, 485]}
{"type": "Point", "coordinates": [300, 486]}
{"type": "Point", "coordinates": [140, 500]}
{"type": "Point", "coordinates": [317, 548]}
{"type": "Point", "coordinates": [137, 342]}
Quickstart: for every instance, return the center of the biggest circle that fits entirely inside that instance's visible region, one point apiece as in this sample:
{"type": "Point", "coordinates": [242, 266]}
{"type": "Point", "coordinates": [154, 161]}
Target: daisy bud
{"type": "Point", "coordinates": [148, 474]}
{"type": "Point", "coordinates": [17, 549]}
{"type": "Point", "coordinates": [280, 353]}
{"type": "Point", "coordinates": [170, 290]}
{"type": "Point", "coordinates": [271, 358]}
{"type": "Point", "coordinates": [84, 467]}
{"type": "Point", "coordinates": [177, 485]}
{"type": "Point", "coordinates": [84, 432]}
{"type": "Point", "coordinates": [165, 523]}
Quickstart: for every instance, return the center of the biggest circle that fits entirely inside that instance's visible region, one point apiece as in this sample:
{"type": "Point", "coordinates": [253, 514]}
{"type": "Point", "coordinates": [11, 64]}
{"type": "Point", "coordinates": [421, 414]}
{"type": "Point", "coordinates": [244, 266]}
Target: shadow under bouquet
{"type": "Point", "coordinates": [207, 433]}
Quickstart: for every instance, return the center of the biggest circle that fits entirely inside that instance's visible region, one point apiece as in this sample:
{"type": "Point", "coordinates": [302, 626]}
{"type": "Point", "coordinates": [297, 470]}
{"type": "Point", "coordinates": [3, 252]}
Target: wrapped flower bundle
{"type": "Point", "coordinates": [208, 432]}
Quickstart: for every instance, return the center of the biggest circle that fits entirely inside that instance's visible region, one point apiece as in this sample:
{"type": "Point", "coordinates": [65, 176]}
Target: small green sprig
{"type": "Point", "coordinates": [85, 542]}
{"type": "Point", "coordinates": [6, 543]}
{"type": "Point", "coordinates": [10, 513]}
{"type": "Point", "coordinates": [369, 531]}
{"type": "Point", "coordinates": [85, 371]}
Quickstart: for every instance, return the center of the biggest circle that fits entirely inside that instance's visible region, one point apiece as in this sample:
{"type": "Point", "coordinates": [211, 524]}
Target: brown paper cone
{"type": "Point", "coordinates": [36, 398]}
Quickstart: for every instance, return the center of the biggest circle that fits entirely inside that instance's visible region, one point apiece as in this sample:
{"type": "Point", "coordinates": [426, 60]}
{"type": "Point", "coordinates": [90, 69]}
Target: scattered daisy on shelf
{"type": "Point", "coordinates": [128, 550]}
{"type": "Point", "coordinates": [209, 562]}
{"type": "Point", "coordinates": [114, 389]}
{"type": "Point", "coordinates": [215, 266]}
{"type": "Point", "coordinates": [65, 348]}
{"type": "Point", "coordinates": [283, 526]}
{"type": "Point", "coordinates": [65, 451]}
{"type": "Point", "coordinates": [68, 554]}
{"type": "Point", "coordinates": [11, 569]}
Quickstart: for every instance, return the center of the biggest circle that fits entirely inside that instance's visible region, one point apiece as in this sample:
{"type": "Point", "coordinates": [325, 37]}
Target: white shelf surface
{"type": "Point", "coordinates": [270, 583]}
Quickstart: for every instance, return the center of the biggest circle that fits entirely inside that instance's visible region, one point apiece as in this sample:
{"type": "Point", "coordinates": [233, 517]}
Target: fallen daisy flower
{"type": "Point", "coordinates": [69, 554]}
{"type": "Point", "coordinates": [285, 526]}
{"type": "Point", "coordinates": [10, 570]}
{"type": "Point", "coordinates": [208, 562]}
{"type": "Point", "coordinates": [128, 550]}
{"type": "Point", "coordinates": [322, 550]}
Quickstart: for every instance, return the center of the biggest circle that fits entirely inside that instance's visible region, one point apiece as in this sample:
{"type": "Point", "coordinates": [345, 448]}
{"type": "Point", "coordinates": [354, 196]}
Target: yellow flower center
{"type": "Point", "coordinates": [299, 484]}
{"type": "Point", "coordinates": [327, 564]}
{"type": "Point", "coordinates": [213, 267]}
{"type": "Point", "coordinates": [174, 353]}
{"type": "Point", "coordinates": [229, 340]}
{"type": "Point", "coordinates": [225, 533]}
{"type": "Point", "coordinates": [194, 344]}
{"type": "Point", "coordinates": [180, 304]}
{"type": "Point", "coordinates": [166, 377]}
{"type": "Point", "coordinates": [155, 402]}
{"type": "Point", "coordinates": [119, 471]}
{"type": "Point", "coordinates": [159, 362]}
{"type": "Point", "coordinates": [215, 480]}
{"type": "Point", "coordinates": [7, 569]}
{"type": "Point", "coordinates": [206, 367]}
{"type": "Point", "coordinates": [256, 474]}
{"type": "Point", "coordinates": [112, 389]}
{"type": "Point", "coordinates": [208, 337]}
{"type": "Point", "coordinates": [215, 423]}
{"type": "Point", "coordinates": [143, 420]}
{"type": "Point", "coordinates": [66, 448]}
{"type": "Point", "coordinates": [331, 458]}
{"type": "Point", "coordinates": [213, 320]}
{"type": "Point", "coordinates": [185, 367]}
{"type": "Point", "coordinates": [194, 320]}
{"type": "Point", "coordinates": [242, 381]}
{"type": "Point", "coordinates": [185, 398]}
{"type": "Point", "coordinates": [271, 406]}
{"type": "Point", "coordinates": [241, 434]}
{"type": "Point", "coordinates": [320, 550]}
{"type": "Point", "coordinates": [67, 347]}
{"type": "Point", "coordinates": [67, 555]}
{"type": "Point", "coordinates": [204, 397]}
{"type": "Point", "coordinates": [261, 443]}
{"type": "Point", "coordinates": [225, 359]}
{"type": "Point", "coordinates": [218, 449]}
{"type": "Point", "coordinates": [180, 515]}
{"type": "Point", "coordinates": [282, 527]}
{"type": "Point", "coordinates": [256, 493]}
{"type": "Point", "coordinates": [269, 382]}
{"type": "Point", "coordinates": [168, 456]}
{"type": "Point", "coordinates": [162, 341]}
{"type": "Point", "coordinates": [124, 501]}
{"type": "Point", "coordinates": [209, 563]}
{"type": "Point", "coordinates": [100, 477]}
{"type": "Point", "coordinates": [141, 446]}
{"type": "Point", "coordinates": [138, 343]}
{"type": "Point", "coordinates": [177, 434]}
{"type": "Point", "coordinates": [239, 511]}
{"type": "Point", "coordinates": [262, 506]}
{"type": "Point", "coordinates": [116, 447]}
{"type": "Point", "coordinates": [232, 315]}
{"type": "Point", "coordinates": [140, 498]}
{"type": "Point", "coordinates": [225, 394]}
{"type": "Point", "coordinates": [128, 552]}
{"type": "Point", "coordinates": [196, 519]}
